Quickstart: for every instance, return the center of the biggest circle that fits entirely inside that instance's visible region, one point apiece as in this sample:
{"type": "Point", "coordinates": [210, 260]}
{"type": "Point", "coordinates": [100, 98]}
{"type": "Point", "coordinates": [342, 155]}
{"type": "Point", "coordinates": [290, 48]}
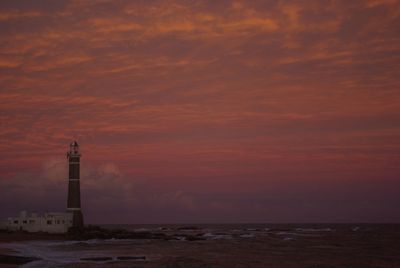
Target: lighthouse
{"type": "Point", "coordinates": [74, 192]}
{"type": "Point", "coordinates": [55, 222]}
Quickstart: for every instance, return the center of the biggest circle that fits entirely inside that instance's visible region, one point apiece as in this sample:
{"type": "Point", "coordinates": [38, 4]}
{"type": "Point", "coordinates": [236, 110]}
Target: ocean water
{"type": "Point", "coordinates": [227, 245]}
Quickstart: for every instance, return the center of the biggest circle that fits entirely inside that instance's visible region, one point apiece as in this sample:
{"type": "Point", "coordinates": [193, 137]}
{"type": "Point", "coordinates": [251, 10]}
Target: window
{"type": "Point", "coordinates": [15, 222]}
{"type": "Point", "coordinates": [24, 222]}
{"type": "Point", "coordinates": [31, 221]}
{"type": "Point", "coordinates": [63, 221]}
{"type": "Point", "coordinates": [49, 222]}
{"type": "Point", "coordinates": [58, 221]}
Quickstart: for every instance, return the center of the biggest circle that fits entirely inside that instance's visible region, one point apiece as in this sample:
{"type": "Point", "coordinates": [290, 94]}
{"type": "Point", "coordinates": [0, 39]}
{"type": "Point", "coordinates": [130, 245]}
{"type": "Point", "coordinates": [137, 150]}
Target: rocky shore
{"type": "Point", "coordinates": [287, 246]}
{"type": "Point", "coordinates": [97, 232]}
{"type": "Point", "coordinates": [90, 232]}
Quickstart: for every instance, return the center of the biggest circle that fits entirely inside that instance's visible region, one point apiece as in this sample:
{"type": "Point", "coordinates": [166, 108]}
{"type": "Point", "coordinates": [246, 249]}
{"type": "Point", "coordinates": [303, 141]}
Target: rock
{"type": "Point", "coordinates": [127, 258]}
{"type": "Point", "coordinates": [19, 260]}
{"type": "Point", "coordinates": [195, 237]}
{"type": "Point", "coordinates": [188, 228]}
{"type": "Point", "coordinates": [97, 259]}
{"type": "Point", "coordinates": [96, 232]}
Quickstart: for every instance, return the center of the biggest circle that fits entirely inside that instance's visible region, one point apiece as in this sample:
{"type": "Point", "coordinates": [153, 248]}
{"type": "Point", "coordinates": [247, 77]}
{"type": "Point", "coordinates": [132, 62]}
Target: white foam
{"type": "Point", "coordinates": [285, 233]}
{"type": "Point", "coordinates": [180, 238]}
{"type": "Point", "coordinates": [247, 235]}
{"type": "Point", "coordinates": [208, 235]}
{"type": "Point", "coordinates": [166, 229]}
{"type": "Point", "coordinates": [141, 230]}
{"type": "Point", "coordinates": [314, 229]}
{"type": "Point", "coordinates": [217, 236]}
{"type": "Point", "coordinates": [296, 234]}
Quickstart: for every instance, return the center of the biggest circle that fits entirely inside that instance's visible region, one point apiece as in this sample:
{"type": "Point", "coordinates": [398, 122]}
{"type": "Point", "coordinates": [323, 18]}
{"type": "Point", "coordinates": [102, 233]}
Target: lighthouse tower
{"type": "Point", "coordinates": [74, 192]}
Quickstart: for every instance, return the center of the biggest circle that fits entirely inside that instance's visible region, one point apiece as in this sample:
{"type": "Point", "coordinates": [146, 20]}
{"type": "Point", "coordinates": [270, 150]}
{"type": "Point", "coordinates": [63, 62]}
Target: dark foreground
{"type": "Point", "coordinates": [214, 246]}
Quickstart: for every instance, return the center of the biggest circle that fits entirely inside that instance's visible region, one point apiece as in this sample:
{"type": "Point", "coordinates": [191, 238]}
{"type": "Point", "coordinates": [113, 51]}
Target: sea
{"type": "Point", "coordinates": [226, 245]}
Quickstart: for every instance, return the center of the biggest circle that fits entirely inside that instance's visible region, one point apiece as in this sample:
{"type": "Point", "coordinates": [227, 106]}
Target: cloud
{"type": "Point", "coordinates": [104, 189]}
{"type": "Point", "coordinates": [190, 97]}
{"type": "Point", "coordinates": [16, 14]}
{"type": "Point", "coordinates": [374, 3]}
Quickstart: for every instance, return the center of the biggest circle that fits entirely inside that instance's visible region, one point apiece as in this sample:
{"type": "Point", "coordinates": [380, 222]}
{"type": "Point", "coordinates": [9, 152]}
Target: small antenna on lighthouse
{"type": "Point", "coordinates": [73, 149]}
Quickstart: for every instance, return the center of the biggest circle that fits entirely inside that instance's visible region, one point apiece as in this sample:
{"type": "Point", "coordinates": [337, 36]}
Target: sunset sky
{"type": "Point", "coordinates": [202, 111]}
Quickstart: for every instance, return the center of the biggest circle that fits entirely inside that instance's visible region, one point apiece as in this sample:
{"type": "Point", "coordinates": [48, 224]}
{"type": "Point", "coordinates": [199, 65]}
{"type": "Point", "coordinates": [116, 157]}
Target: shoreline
{"type": "Point", "coordinates": [9, 237]}
{"type": "Point", "coordinates": [191, 246]}
{"type": "Point", "coordinates": [12, 258]}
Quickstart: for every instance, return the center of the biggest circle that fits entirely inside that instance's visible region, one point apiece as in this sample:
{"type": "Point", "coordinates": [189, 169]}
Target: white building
{"type": "Point", "coordinates": [54, 222]}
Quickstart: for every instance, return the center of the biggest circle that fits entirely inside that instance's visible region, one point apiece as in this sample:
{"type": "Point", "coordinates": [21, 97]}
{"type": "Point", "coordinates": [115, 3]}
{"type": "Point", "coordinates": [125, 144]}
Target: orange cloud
{"type": "Point", "coordinates": [16, 14]}
{"type": "Point", "coordinates": [203, 95]}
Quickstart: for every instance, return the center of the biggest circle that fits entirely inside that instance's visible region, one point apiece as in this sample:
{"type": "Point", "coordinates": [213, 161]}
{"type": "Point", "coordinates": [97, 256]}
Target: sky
{"type": "Point", "coordinates": [202, 111]}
